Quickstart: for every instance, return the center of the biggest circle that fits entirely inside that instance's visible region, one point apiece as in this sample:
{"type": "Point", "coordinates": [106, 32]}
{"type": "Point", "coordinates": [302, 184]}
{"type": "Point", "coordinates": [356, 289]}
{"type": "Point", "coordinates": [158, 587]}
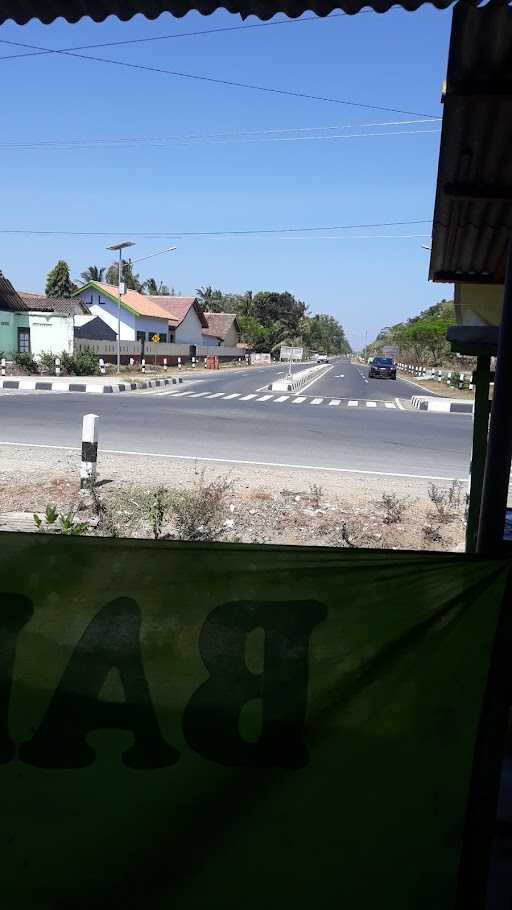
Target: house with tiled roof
{"type": "Point", "coordinates": [177, 320]}
{"type": "Point", "coordinates": [33, 324]}
{"type": "Point", "coordinates": [223, 329]}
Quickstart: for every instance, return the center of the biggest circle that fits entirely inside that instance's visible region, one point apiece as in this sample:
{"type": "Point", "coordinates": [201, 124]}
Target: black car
{"type": "Point", "coordinates": [382, 368]}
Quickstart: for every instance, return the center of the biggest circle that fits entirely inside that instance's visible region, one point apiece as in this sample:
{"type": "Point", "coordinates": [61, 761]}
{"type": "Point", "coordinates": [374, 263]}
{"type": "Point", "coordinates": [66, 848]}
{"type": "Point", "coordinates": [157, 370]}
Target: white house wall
{"type": "Point", "coordinates": [190, 331]}
{"type": "Point", "coordinates": [50, 332]}
{"type": "Point", "coordinates": [106, 309]}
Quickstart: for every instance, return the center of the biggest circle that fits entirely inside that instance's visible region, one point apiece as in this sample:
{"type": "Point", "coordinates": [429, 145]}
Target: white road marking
{"type": "Point", "coordinates": [399, 404]}
{"type": "Point", "coordinates": [264, 398]}
{"type": "Point", "coordinates": [265, 464]}
{"type": "Point", "coordinates": [216, 395]}
{"type": "Point", "coordinates": [316, 378]}
{"type": "Point", "coordinates": [281, 398]}
{"type": "Point", "coordinates": [170, 392]}
{"type": "Point", "coordinates": [371, 404]}
{"type": "Point", "coordinates": [389, 404]}
{"type": "Point", "coordinates": [199, 394]}
{"type": "Point", "coordinates": [247, 397]}
{"type": "Point", "coordinates": [181, 394]}
{"type": "Point", "coordinates": [298, 400]}
{"type": "Point", "coordinates": [233, 395]}
{"type": "Point", "coordinates": [334, 401]}
{"type": "Point", "coordinates": [353, 404]}
{"type": "Point", "coordinates": [316, 401]}
{"type": "Point", "coordinates": [341, 376]}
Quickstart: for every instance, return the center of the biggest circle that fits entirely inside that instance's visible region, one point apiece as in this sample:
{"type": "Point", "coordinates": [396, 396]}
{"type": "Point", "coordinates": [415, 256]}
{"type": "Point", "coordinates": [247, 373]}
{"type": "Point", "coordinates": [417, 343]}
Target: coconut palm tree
{"type": "Point", "coordinates": [93, 273]}
{"type": "Point", "coordinates": [157, 289]}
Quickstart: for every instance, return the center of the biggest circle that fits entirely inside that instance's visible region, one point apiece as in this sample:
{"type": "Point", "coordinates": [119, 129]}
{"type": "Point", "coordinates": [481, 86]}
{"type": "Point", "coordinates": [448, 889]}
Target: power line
{"type": "Point", "coordinates": [229, 82]}
{"type": "Point", "coordinates": [71, 145]}
{"type": "Point", "coordinates": [194, 34]}
{"type": "Point", "coordinates": [239, 233]}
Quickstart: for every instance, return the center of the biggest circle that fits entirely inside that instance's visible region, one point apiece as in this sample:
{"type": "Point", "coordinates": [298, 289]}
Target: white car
{"type": "Point", "coordinates": [321, 358]}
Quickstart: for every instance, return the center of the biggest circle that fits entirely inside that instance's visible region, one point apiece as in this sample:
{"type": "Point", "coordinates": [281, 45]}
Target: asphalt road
{"type": "Point", "coordinates": [381, 438]}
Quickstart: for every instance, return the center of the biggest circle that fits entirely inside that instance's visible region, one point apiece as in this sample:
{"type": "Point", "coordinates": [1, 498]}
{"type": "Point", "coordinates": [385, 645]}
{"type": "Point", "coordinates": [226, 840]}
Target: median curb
{"type": "Point", "coordinates": [300, 379]}
{"type": "Point", "coordinates": [90, 388]}
{"type": "Point", "coordinates": [442, 405]}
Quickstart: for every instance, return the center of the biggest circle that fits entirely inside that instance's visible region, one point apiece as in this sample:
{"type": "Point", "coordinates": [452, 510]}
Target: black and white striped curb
{"type": "Point", "coordinates": [442, 405]}
{"type": "Point", "coordinates": [91, 388]}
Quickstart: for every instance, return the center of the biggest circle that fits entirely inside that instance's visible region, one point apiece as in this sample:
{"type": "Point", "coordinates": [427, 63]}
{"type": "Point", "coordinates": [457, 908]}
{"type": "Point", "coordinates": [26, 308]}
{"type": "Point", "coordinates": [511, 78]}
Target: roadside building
{"type": "Point", "coordinates": [33, 324]}
{"type": "Point", "coordinates": [176, 320]}
{"type": "Point", "coordinates": [223, 330]}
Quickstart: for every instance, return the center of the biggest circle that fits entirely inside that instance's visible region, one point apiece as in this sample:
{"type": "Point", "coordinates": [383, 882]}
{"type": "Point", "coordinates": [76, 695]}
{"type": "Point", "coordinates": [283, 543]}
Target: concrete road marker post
{"type": "Point", "coordinates": [2, 370]}
{"type": "Point", "coordinates": [143, 365]}
{"type": "Point", "coordinates": [165, 364]}
{"type": "Point", "coordinates": [102, 366]}
{"type": "Point", "coordinates": [132, 361]}
{"type": "Point", "coordinates": [179, 363]}
{"type": "Point", "coordinates": [89, 451]}
{"type": "Point", "coordinates": [193, 363]}
{"type": "Point", "coordinates": [57, 366]}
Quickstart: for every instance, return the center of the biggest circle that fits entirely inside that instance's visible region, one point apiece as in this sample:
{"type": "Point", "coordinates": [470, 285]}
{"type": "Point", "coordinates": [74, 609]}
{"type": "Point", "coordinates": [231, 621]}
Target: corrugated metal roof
{"type": "Point", "coordinates": [72, 307]}
{"type": "Point", "coordinates": [10, 300]}
{"type": "Point", "coordinates": [473, 209]}
{"type": "Point", "coordinates": [46, 11]}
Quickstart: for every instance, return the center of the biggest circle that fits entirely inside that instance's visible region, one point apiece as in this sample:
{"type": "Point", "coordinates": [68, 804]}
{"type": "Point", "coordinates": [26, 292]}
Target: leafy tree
{"type": "Point", "coordinates": [156, 288]}
{"type": "Point", "coordinates": [421, 338]}
{"type": "Point", "coordinates": [92, 273]}
{"type": "Point", "coordinates": [131, 279]}
{"type": "Point", "coordinates": [58, 281]}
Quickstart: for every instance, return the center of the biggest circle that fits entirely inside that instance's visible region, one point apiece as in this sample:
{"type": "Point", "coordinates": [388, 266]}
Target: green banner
{"type": "Point", "coordinates": [190, 726]}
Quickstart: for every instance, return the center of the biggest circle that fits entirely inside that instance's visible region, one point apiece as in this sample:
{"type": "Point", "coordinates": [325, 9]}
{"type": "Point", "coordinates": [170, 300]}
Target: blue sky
{"type": "Point", "coordinates": [397, 60]}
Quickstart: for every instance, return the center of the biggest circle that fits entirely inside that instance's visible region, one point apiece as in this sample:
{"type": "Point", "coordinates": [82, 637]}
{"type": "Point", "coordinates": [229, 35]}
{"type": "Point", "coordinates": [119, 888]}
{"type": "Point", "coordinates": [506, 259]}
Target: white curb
{"type": "Point", "coordinates": [298, 380]}
{"type": "Point", "coordinates": [90, 388]}
{"type": "Point", "coordinates": [442, 405]}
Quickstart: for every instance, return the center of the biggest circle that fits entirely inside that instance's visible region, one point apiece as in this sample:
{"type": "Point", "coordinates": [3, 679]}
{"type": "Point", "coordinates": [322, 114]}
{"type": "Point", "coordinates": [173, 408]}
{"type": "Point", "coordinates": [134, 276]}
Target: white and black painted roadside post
{"type": "Point", "coordinates": [57, 366]}
{"type": "Point", "coordinates": [89, 451]}
{"type": "Point", "coordinates": [143, 365]}
{"type": "Point", "coordinates": [2, 366]}
{"type": "Point", "coordinates": [132, 361]}
{"type": "Point", "coordinates": [193, 363]}
{"type": "Point", "coordinates": [165, 364]}
{"type": "Point", "coordinates": [205, 362]}
{"type": "Point", "coordinates": [179, 363]}
{"type": "Point", "coordinates": [102, 366]}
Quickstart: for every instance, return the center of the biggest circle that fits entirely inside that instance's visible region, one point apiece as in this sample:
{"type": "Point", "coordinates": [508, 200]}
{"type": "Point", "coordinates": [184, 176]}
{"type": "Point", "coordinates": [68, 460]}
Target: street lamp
{"type": "Point", "coordinates": [119, 247]}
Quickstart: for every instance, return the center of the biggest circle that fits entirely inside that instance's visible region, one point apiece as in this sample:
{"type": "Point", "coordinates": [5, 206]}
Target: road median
{"type": "Point", "coordinates": [297, 381]}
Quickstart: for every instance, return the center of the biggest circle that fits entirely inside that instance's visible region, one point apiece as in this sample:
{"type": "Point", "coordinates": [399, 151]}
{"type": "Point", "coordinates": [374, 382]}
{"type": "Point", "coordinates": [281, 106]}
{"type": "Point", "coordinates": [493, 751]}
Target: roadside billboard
{"type": "Point", "coordinates": [289, 353]}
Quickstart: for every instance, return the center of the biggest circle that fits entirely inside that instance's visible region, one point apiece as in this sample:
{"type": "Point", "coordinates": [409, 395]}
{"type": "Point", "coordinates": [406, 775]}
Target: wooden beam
{"type": "Point", "coordinates": [465, 278]}
{"type": "Point", "coordinates": [478, 191]}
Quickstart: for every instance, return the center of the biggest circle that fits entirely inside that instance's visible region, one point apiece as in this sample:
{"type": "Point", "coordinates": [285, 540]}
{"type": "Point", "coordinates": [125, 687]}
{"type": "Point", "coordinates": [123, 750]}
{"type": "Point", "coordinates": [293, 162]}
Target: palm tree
{"type": "Point", "coordinates": [156, 289]}
{"type": "Point", "coordinates": [210, 300]}
{"type": "Point", "coordinates": [93, 273]}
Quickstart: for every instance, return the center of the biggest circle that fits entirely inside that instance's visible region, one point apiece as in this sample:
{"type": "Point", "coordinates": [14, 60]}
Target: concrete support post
{"type": "Point", "coordinates": [89, 451]}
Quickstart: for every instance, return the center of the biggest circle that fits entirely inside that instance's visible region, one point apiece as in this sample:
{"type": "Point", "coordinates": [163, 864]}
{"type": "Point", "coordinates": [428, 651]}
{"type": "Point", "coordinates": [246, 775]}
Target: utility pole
{"type": "Point", "coordinates": [118, 247]}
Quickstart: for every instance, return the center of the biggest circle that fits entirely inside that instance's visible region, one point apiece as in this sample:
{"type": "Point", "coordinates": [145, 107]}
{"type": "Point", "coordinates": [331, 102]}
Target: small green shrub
{"type": "Point", "coordinates": [60, 523]}
{"type": "Point", "coordinates": [26, 363]}
{"type": "Point", "coordinates": [84, 363]}
{"type": "Point", "coordinates": [47, 361]}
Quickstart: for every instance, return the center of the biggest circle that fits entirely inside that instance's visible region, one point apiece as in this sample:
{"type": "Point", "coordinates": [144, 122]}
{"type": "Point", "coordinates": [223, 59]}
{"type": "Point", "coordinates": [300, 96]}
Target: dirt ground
{"type": "Point", "coordinates": [246, 503]}
{"type": "Point", "coordinates": [439, 388]}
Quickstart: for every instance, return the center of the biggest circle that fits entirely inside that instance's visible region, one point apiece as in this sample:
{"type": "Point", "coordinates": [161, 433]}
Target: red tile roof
{"type": "Point", "coordinates": [178, 307]}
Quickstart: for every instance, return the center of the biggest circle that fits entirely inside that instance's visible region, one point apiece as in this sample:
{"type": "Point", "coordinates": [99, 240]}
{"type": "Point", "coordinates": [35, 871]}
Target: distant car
{"type": "Point", "coordinates": [382, 368]}
{"type": "Point", "coordinates": [321, 358]}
